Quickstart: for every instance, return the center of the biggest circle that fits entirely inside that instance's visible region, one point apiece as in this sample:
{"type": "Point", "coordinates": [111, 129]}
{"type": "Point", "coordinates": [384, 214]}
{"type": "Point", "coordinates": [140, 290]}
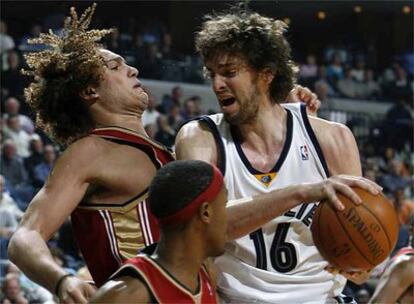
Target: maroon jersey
{"type": "Point", "coordinates": [110, 234]}
{"type": "Point", "coordinates": [162, 286]}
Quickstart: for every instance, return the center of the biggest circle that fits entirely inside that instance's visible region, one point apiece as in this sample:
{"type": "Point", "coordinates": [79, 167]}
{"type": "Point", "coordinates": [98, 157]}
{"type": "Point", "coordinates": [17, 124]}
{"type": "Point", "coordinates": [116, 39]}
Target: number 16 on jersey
{"type": "Point", "coordinates": [282, 254]}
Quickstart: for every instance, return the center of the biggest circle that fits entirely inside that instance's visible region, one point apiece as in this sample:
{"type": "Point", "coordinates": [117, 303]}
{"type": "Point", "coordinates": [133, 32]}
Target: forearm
{"type": "Point", "coordinates": [28, 250]}
{"type": "Point", "coordinates": [248, 214]}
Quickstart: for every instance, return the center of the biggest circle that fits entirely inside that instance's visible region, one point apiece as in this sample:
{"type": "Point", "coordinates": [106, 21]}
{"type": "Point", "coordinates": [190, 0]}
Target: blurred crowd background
{"type": "Point", "coordinates": [356, 56]}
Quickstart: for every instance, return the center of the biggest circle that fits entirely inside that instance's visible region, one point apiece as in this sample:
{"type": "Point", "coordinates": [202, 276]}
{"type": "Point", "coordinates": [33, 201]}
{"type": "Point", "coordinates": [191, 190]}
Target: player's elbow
{"type": "Point", "coordinates": [13, 249]}
{"type": "Point", "coordinates": [17, 245]}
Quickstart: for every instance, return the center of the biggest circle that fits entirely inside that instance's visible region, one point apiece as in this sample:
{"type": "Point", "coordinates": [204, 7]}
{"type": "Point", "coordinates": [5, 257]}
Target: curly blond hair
{"type": "Point", "coordinates": [70, 64]}
{"type": "Point", "coordinates": [258, 39]}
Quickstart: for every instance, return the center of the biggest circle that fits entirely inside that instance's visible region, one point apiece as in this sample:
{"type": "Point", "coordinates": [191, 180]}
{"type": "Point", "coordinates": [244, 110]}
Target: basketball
{"type": "Point", "coordinates": [359, 237]}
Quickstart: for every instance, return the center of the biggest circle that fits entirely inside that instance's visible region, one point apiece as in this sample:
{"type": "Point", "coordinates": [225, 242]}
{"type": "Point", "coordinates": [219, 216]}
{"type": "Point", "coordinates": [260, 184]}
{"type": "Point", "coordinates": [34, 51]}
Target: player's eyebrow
{"type": "Point", "coordinates": [230, 64]}
{"type": "Point", "coordinates": [117, 59]}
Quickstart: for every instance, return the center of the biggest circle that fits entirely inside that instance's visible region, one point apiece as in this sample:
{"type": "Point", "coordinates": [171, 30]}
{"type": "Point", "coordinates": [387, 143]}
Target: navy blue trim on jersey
{"type": "Point", "coordinates": [221, 158]}
{"type": "Point", "coordinates": [283, 154]}
{"type": "Point", "coordinates": [313, 138]}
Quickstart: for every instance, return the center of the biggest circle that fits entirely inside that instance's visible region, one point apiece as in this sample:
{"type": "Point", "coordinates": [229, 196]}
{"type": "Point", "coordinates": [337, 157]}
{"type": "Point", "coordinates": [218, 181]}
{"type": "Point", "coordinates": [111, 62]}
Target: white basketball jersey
{"type": "Point", "coordinates": [279, 262]}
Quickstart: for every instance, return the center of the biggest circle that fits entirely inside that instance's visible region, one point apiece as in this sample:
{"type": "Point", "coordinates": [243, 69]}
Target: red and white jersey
{"type": "Point", "coordinates": [403, 255]}
{"type": "Point", "coordinates": [162, 286]}
{"type": "Point", "coordinates": [110, 234]}
{"type": "Point", "coordinates": [278, 263]}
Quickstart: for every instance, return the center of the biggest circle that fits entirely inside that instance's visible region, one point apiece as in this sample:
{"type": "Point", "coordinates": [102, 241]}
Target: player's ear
{"type": "Point", "coordinates": [89, 94]}
{"type": "Point", "coordinates": [267, 75]}
{"type": "Point", "coordinates": [205, 212]}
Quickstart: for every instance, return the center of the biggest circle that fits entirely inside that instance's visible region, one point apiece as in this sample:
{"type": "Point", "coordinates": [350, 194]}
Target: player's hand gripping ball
{"type": "Point", "coordinates": [359, 237]}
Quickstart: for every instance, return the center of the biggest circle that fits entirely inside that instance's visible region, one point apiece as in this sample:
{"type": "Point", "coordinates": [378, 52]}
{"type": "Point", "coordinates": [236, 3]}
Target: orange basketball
{"type": "Point", "coordinates": [358, 238]}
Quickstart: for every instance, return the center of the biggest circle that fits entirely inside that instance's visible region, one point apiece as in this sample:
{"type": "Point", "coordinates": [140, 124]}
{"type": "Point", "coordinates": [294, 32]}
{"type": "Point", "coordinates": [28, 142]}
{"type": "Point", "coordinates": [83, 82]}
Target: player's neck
{"type": "Point", "coordinates": [267, 131]}
{"type": "Point", "coordinates": [121, 120]}
{"type": "Point", "coordinates": [173, 254]}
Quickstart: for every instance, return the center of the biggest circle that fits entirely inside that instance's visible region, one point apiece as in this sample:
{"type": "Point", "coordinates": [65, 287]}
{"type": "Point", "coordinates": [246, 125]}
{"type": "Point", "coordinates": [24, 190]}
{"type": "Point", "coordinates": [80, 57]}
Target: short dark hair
{"type": "Point", "coordinates": [254, 37]}
{"type": "Point", "coordinates": [177, 184]}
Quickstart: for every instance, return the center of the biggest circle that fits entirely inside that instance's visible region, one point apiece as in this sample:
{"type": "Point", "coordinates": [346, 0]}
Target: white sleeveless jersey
{"type": "Point", "coordinates": [279, 262]}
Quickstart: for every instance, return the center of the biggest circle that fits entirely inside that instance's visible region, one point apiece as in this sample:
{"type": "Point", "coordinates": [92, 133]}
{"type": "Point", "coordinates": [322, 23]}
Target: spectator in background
{"type": "Point", "coordinates": [12, 80]}
{"type": "Point", "coordinates": [323, 79]}
{"type": "Point", "coordinates": [358, 72]}
{"type": "Point", "coordinates": [12, 167]}
{"type": "Point", "coordinates": [395, 178]}
{"type": "Point", "coordinates": [370, 88]}
{"type": "Point", "coordinates": [7, 203]}
{"type": "Point", "coordinates": [348, 87]}
{"type": "Point", "coordinates": [389, 74]}
{"type": "Point", "coordinates": [42, 170]}
{"type": "Point", "coordinates": [175, 120]}
{"type": "Point", "coordinates": [13, 293]}
{"type": "Point", "coordinates": [20, 138]}
{"type": "Point", "coordinates": [151, 114]}
{"type": "Point", "coordinates": [138, 48]}
{"type": "Point", "coordinates": [173, 99]}
{"type": "Point", "coordinates": [36, 155]}
{"type": "Point", "coordinates": [308, 72]}
{"type": "Point", "coordinates": [400, 84]}
{"type": "Point", "coordinates": [13, 170]}
{"type": "Point", "coordinates": [151, 66]}
{"type": "Point", "coordinates": [6, 41]}
{"type": "Point", "coordinates": [29, 288]}
{"type": "Point", "coordinates": [322, 91]}
{"type": "Point", "coordinates": [335, 70]}
{"type": "Point", "coordinates": [336, 49]}
{"type": "Point", "coordinates": [165, 134]}
{"type": "Point", "coordinates": [197, 103]}
{"type": "Point", "coordinates": [190, 109]}
{"type": "Point", "coordinates": [167, 51]}
{"type": "Point", "coordinates": [12, 108]}
{"type": "Point", "coordinates": [399, 120]}
{"type": "Point", "coordinates": [8, 225]}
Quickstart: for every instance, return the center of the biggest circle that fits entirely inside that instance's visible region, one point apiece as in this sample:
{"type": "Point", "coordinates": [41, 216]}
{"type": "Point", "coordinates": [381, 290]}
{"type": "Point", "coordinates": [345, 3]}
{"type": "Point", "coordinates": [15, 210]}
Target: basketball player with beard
{"type": "Point", "coordinates": [261, 145]}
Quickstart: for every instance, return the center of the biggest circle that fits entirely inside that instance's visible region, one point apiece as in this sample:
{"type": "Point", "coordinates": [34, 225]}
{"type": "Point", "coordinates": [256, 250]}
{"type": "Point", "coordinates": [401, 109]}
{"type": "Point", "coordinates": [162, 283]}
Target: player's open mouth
{"type": "Point", "coordinates": [227, 102]}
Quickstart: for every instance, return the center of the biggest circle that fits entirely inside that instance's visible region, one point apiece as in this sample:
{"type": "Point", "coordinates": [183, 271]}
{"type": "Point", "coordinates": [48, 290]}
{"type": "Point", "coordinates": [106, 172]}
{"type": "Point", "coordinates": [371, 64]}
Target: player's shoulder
{"type": "Point", "coordinates": [331, 135]}
{"type": "Point", "coordinates": [83, 149]}
{"type": "Point", "coordinates": [323, 127]}
{"type": "Point", "coordinates": [196, 129]}
{"type": "Point", "coordinates": [196, 140]}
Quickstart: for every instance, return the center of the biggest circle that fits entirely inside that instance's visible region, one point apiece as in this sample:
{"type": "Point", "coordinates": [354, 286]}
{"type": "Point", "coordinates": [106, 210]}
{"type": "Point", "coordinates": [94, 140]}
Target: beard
{"type": "Point", "coordinates": [247, 113]}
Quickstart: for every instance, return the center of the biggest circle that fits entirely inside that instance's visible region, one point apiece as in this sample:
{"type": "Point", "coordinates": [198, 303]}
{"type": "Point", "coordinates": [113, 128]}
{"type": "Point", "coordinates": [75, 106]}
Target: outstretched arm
{"type": "Point", "coordinates": [61, 194]}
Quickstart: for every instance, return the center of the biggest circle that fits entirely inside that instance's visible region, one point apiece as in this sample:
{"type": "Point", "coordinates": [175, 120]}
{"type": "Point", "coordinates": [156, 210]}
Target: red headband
{"type": "Point", "coordinates": [208, 195]}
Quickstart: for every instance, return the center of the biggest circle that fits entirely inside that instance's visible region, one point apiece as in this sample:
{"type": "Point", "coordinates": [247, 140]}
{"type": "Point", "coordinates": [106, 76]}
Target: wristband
{"type": "Point", "coordinates": [59, 282]}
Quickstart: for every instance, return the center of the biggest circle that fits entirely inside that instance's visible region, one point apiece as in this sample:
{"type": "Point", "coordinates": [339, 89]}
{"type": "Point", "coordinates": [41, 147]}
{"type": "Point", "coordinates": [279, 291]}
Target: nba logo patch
{"type": "Point", "coordinates": [304, 152]}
